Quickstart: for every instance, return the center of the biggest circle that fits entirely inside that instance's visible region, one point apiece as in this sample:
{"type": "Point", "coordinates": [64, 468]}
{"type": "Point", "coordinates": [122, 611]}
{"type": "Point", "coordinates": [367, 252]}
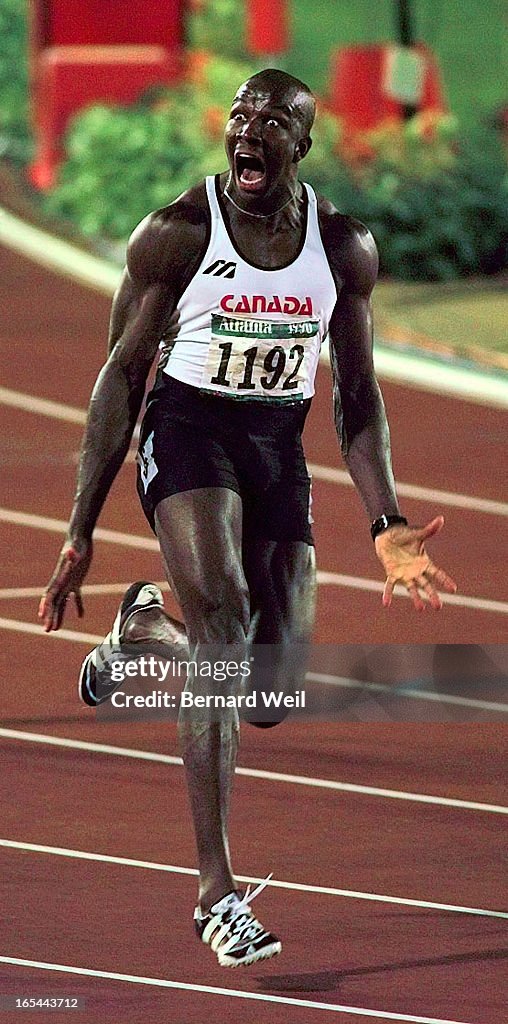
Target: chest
{"type": "Point", "coordinates": [267, 248]}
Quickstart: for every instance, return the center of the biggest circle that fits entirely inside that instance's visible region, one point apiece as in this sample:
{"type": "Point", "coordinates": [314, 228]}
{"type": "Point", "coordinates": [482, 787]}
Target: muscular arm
{"type": "Point", "coordinates": [162, 250]}
{"type": "Point", "coordinates": [360, 416]}
{"type": "Point", "coordinates": [359, 411]}
{"type": "Point", "coordinates": [135, 327]}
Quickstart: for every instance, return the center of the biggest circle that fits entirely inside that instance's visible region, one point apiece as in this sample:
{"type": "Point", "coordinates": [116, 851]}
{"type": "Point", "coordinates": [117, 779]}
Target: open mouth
{"type": "Point", "coordinates": [250, 171]}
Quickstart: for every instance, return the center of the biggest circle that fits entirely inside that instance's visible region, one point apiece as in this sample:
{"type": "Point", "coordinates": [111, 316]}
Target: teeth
{"type": "Point", "coordinates": [250, 175]}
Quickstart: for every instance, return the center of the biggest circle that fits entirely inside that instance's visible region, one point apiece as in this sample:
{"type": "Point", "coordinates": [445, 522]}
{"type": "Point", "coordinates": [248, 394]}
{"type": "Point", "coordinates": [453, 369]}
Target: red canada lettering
{"type": "Point", "coordinates": [288, 304]}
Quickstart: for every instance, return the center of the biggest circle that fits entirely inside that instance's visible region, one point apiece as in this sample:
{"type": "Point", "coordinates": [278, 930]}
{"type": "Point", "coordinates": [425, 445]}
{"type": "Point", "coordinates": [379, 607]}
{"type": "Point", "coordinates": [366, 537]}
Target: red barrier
{"type": "Point", "coordinates": [91, 51]}
{"type": "Point", "coordinates": [360, 92]}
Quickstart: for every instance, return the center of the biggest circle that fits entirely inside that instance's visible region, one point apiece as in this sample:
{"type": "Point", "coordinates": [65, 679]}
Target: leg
{"type": "Point", "coordinates": [200, 534]}
{"type": "Point", "coordinates": [282, 583]}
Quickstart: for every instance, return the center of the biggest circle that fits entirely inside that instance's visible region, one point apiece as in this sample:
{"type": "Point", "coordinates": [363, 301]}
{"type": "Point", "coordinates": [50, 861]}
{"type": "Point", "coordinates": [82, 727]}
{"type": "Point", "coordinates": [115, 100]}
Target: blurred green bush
{"type": "Point", "coordinates": [436, 203]}
{"type": "Point", "coordinates": [15, 138]}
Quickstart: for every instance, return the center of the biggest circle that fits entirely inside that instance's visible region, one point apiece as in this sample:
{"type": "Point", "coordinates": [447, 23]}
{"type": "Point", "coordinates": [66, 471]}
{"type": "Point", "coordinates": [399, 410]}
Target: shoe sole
{"type": "Point", "coordinates": [264, 954]}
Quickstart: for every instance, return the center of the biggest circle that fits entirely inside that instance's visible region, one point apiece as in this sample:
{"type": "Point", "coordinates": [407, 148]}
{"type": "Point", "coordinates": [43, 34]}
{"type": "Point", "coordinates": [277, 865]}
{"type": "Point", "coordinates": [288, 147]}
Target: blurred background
{"type": "Point", "coordinates": [109, 110]}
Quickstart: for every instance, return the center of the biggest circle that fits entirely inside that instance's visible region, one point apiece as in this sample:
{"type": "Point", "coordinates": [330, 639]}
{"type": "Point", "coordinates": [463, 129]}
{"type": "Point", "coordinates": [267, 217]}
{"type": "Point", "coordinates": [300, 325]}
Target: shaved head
{"type": "Point", "coordinates": [284, 90]}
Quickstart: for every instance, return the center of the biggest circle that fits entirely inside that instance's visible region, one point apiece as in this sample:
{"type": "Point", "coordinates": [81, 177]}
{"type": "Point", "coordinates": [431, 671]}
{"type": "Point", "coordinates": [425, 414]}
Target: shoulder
{"type": "Point", "coordinates": [350, 248]}
{"type": "Point", "coordinates": [170, 239]}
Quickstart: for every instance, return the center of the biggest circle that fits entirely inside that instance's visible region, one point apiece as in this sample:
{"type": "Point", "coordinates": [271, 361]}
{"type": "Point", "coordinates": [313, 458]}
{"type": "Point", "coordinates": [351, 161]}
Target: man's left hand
{"type": "Point", "coordinates": [401, 551]}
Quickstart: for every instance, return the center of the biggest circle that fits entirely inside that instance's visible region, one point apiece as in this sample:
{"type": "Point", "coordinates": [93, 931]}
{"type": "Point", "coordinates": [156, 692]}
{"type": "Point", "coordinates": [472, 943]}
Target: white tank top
{"type": "Point", "coordinates": [249, 333]}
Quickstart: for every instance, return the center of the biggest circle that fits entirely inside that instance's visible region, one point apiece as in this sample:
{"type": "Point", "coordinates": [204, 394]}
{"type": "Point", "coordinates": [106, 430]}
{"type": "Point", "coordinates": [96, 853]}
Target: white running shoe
{"type": "Point", "coordinates": [232, 931]}
{"type": "Point", "coordinates": [94, 684]}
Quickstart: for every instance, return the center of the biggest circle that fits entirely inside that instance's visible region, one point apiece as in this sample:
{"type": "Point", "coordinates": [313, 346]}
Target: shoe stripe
{"type": "Point", "coordinates": [88, 681]}
{"type": "Point", "coordinates": [233, 941]}
{"type": "Point", "coordinates": [263, 954]}
{"type": "Point", "coordinates": [115, 630]}
{"type": "Point", "coordinates": [217, 939]}
{"type": "Point", "coordinates": [213, 924]}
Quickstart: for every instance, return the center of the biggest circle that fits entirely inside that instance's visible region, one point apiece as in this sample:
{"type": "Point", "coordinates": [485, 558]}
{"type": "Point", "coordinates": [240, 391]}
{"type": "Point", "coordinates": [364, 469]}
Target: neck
{"type": "Point", "coordinates": [285, 200]}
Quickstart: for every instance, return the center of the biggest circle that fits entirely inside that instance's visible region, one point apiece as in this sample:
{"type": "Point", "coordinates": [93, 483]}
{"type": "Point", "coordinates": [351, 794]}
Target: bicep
{"type": "Point", "coordinates": [351, 327]}
{"type": "Point", "coordinates": [137, 317]}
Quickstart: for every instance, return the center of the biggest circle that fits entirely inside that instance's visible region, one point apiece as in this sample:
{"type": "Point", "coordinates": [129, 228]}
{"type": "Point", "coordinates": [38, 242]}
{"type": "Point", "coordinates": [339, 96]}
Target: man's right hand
{"type": "Point", "coordinates": [71, 569]}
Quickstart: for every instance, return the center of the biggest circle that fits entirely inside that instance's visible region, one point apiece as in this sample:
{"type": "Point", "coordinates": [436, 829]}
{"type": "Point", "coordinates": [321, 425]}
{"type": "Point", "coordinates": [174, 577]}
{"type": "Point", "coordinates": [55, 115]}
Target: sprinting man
{"type": "Point", "coordinates": [239, 281]}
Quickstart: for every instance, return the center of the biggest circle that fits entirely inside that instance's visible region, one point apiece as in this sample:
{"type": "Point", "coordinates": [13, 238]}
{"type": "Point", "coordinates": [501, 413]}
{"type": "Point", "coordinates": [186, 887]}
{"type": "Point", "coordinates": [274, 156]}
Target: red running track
{"type": "Point", "coordinates": [340, 950]}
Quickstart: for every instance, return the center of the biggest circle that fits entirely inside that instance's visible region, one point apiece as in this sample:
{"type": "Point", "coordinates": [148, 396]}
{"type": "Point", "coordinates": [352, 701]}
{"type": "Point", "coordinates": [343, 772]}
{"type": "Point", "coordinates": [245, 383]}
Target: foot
{"type": "Point", "coordinates": [139, 597]}
{"type": "Point", "coordinates": [234, 933]}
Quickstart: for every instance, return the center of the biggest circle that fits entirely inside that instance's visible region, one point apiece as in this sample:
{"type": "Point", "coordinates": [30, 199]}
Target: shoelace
{"type": "Point", "coordinates": [244, 924]}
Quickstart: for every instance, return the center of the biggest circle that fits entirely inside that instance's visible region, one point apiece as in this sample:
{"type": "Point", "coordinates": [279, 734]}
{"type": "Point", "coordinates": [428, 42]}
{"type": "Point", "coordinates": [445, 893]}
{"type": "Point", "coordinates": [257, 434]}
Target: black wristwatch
{"type": "Point", "coordinates": [382, 524]}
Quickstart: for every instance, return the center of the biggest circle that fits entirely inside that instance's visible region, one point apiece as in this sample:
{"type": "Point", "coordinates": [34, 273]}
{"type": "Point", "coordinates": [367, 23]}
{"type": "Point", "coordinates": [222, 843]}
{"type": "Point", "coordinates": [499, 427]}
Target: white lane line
{"type": "Point", "coordinates": [31, 628]}
{"type": "Point", "coordinates": [329, 474]}
{"type": "Point", "coordinates": [335, 579]}
{"type": "Point", "coordinates": [309, 1004]}
{"type": "Point", "coordinates": [397, 691]}
{"type": "Point", "coordinates": [57, 255]}
{"type": "Point", "coordinates": [255, 773]}
{"type": "Point", "coordinates": [88, 589]}
{"type": "Point", "coordinates": [338, 579]}
{"type": "Point", "coordinates": [18, 626]}
{"type": "Point", "coordinates": [340, 477]}
{"type": "Point", "coordinates": [35, 522]}
{"type": "Point", "coordinates": [435, 375]}
{"type": "Point", "coordinates": [326, 890]}
{"type": "Point", "coordinates": [41, 406]}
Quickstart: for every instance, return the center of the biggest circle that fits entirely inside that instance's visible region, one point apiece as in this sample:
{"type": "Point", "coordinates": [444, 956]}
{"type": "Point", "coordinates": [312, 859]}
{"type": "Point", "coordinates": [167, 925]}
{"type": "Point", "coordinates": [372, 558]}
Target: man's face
{"type": "Point", "coordinates": [262, 140]}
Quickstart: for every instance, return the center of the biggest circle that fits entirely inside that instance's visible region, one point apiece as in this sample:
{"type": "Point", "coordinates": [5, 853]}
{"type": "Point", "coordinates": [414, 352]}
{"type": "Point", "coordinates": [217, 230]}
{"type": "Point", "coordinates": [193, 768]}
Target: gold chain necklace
{"type": "Point", "coordinates": [248, 213]}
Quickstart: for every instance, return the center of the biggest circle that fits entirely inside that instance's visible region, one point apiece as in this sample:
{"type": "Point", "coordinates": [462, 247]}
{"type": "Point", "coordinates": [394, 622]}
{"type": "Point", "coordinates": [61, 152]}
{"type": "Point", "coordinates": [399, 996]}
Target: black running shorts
{"type": "Point", "coordinates": [191, 439]}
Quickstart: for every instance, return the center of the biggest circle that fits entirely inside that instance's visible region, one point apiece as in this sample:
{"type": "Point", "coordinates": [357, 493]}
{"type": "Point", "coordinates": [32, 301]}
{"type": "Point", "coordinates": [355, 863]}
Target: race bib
{"type": "Point", "coordinates": [254, 358]}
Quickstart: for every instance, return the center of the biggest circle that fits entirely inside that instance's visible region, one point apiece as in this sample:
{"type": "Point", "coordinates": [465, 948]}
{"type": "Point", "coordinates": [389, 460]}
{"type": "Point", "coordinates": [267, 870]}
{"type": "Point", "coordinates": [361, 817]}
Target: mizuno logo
{"type": "Point", "coordinates": [221, 269]}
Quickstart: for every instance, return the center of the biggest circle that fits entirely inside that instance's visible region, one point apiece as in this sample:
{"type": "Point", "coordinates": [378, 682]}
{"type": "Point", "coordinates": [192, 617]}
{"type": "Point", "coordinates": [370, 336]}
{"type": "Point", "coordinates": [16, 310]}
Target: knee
{"type": "Point", "coordinates": [221, 615]}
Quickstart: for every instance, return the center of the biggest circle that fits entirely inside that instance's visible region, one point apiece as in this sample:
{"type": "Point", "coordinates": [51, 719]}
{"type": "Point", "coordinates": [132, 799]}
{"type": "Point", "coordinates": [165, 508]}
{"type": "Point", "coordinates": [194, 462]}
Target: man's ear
{"type": "Point", "coordinates": [302, 148]}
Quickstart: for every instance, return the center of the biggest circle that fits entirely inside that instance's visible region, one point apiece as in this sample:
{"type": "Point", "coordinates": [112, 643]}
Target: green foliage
{"type": "Point", "coordinates": [436, 203]}
{"type": "Point", "coordinates": [441, 221]}
{"type": "Point", "coordinates": [123, 162]}
{"type": "Point", "coordinates": [14, 130]}
{"type": "Point", "coordinates": [218, 27]}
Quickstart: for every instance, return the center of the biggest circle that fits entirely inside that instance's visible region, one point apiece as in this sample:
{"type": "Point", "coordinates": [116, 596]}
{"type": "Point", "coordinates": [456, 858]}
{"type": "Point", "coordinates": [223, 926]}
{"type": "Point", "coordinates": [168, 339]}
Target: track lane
{"type": "Point", "coordinates": [405, 958]}
{"type": "Point", "coordinates": [360, 966]}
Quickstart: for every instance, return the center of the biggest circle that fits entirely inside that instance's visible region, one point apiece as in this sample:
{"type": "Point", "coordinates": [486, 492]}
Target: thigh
{"type": "Point", "coordinates": [200, 534]}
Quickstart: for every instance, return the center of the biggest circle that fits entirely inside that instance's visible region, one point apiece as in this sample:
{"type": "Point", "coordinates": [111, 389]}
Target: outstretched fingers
{"type": "Point", "coordinates": [422, 588]}
{"type": "Point", "coordinates": [388, 592]}
{"type": "Point", "coordinates": [430, 592]}
{"type": "Point", "coordinates": [440, 578]}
